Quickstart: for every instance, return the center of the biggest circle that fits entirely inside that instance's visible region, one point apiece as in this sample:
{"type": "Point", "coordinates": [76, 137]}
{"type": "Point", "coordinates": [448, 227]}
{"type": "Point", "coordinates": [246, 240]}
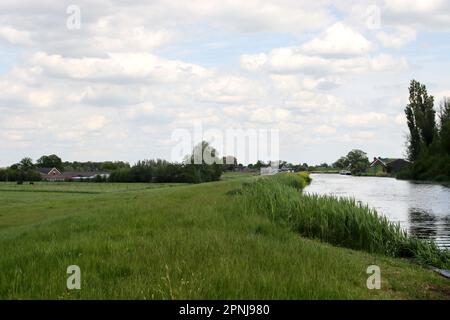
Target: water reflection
{"type": "Point", "coordinates": [422, 224]}
{"type": "Point", "coordinates": [422, 209]}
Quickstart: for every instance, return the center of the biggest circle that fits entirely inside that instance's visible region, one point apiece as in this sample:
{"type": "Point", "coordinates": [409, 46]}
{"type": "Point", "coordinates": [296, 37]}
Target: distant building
{"type": "Point", "coordinates": [386, 165]}
{"type": "Point", "coordinates": [53, 174]}
{"type": "Point", "coordinates": [269, 171]}
{"type": "Point", "coordinates": [285, 168]}
{"type": "Point", "coordinates": [49, 172]}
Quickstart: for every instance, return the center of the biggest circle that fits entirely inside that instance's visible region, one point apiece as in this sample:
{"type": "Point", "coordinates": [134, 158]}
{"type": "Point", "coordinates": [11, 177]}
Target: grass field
{"type": "Point", "coordinates": [142, 241]}
{"type": "Point", "coordinates": [79, 187]}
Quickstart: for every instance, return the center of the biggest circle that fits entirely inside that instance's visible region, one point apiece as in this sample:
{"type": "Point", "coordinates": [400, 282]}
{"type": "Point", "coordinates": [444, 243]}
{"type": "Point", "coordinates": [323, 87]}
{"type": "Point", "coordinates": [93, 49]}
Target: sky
{"type": "Point", "coordinates": [113, 80]}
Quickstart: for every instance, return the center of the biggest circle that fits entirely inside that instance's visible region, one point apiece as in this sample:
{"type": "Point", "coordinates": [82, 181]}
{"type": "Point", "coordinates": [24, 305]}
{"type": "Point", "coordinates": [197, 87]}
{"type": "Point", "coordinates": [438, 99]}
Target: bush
{"type": "Point", "coordinates": [428, 168]}
{"type": "Point", "coordinates": [163, 171]}
{"type": "Point", "coordinates": [11, 174]}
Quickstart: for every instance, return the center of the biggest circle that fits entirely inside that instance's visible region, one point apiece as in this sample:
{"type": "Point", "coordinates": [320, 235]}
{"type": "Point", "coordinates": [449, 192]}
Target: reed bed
{"type": "Point", "coordinates": [338, 221]}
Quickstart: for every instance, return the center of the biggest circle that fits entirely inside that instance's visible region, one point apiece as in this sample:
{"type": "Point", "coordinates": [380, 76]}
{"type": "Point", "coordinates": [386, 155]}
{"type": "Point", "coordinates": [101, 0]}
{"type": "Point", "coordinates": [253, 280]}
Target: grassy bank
{"type": "Point", "coordinates": [339, 221]}
{"type": "Point", "coordinates": [181, 242]}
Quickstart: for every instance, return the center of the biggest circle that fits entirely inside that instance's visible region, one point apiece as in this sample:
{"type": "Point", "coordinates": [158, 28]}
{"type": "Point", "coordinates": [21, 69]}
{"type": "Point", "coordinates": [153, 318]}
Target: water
{"type": "Point", "coordinates": [422, 209]}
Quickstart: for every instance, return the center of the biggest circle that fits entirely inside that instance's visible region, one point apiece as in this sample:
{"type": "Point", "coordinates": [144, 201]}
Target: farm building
{"type": "Point", "coordinates": [386, 165]}
{"type": "Point", "coordinates": [53, 174]}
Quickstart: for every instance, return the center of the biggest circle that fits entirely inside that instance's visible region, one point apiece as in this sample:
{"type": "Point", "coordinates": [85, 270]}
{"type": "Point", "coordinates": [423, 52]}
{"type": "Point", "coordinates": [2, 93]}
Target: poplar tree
{"type": "Point", "coordinates": [420, 115]}
{"type": "Point", "coordinates": [444, 126]}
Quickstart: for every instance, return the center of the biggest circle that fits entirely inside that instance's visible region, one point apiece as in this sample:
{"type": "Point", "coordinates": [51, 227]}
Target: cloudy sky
{"type": "Point", "coordinates": [329, 75]}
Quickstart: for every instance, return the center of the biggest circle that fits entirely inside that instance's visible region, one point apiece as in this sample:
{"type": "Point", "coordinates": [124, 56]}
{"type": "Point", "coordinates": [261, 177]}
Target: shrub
{"type": "Point", "coordinates": [428, 168]}
{"type": "Point", "coordinates": [163, 171]}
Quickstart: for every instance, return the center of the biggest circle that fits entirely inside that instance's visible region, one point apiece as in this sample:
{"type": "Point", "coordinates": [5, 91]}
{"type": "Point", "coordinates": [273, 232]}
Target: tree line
{"type": "Point", "coordinates": [27, 170]}
{"type": "Point", "coordinates": [158, 170]}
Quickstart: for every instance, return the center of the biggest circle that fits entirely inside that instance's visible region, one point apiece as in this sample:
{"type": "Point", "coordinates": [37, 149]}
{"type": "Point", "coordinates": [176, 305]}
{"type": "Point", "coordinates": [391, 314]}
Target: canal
{"type": "Point", "coordinates": [422, 209]}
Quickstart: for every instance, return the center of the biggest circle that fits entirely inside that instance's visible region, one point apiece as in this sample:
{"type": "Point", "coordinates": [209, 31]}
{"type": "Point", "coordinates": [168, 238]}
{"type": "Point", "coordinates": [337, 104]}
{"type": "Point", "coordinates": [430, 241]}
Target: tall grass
{"type": "Point", "coordinates": [182, 242]}
{"type": "Point", "coordinates": [339, 221]}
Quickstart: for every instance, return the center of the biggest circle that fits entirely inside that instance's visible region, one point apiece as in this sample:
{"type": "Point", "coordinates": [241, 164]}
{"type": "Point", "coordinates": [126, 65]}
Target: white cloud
{"type": "Point", "coordinates": [388, 63]}
{"type": "Point", "coordinates": [229, 89]}
{"type": "Point", "coordinates": [143, 109]}
{"type": "Point", "coordinates": [256, 15]}
{"type": "Point", "coordinates": [253, 62]}
{"type": "Point", "coordinates": [42, 98]}
{"type": "Point", "coordinates": [270, 115]}
{"type": "Point", "coordinates": [118, 67]}
{"type": "Point", "coordinates": [325, 130]}
{"type": "Point", "coordinates": [338, 40]}
{"type": "Point", "coordinates": [325, 83]}
{"type": "Point", "coordinates": [14, 36]}
{"type": "Point", "coordinates": [286, 83]}
{"type": "Point", "coordinates": [364, 119]}
{"type": "Point", "coordinates": [356, 137]}
{"type": "Point", "coordinates": [119, 33]}
{"type": "Point", "coordinates": [401, 37]}
{"type": "Point", "coordinates": [291, 60]}
{"type": "Point", "coordinates": [421, 6]}
{"type": "Point", "coordinates": [95, 122]}
{"type": "Point", "coordinates": [339, 50]}
{"type": "Point", "coordinates": [423, 14]}
{"type": "Point", "coordinates": [12, 136]}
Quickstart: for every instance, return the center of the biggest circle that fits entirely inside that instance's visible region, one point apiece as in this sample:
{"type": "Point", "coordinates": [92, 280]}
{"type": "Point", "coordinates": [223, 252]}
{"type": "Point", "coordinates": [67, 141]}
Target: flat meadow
{"type": "Point", "coordinates": [178, 241]}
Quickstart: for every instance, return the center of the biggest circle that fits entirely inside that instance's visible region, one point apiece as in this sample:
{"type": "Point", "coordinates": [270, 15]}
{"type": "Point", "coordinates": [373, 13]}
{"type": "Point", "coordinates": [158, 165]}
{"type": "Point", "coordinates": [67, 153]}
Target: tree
{"type": "Point", "coordinates": [444, 126]}
{"type": "Point", "coordinates": [51, 161]}
{"type": "Point", "coordinates": [22, 171]}
{"type": "Point", "coordinates": [420, 116]}
{"type": "Point", "coordinates": [341, 163]}
{"type": "Point", "coordinates": [26, 164]}
{"type": "Point", "coordinates": [358, 161]}
{"type": "Point", "coordinates": [259, 164]}
{"type": "Point", "coordinates": [203, 164]}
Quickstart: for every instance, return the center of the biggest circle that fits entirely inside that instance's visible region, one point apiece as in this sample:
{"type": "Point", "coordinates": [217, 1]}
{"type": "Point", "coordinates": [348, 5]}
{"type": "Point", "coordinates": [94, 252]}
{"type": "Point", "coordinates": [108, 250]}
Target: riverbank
{"type": "Point", "coordinates": [404, 202]}
{"type": "Point", "coordinates": [181, 242]}
{"type": "Point", "coordinates": [386, 175]}
{"type": "Point", "coordinates": [428, 182]}
{"type": "Point", "coordinates": [339, 221]}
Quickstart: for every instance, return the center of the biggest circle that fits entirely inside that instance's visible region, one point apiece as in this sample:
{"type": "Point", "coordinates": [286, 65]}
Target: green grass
{"type": "Point", "coordinates": [182, 242]}
{"type": "Point", "coordinates": [238, 175]}
{"type": "Point", "coordinates": [78, 187]}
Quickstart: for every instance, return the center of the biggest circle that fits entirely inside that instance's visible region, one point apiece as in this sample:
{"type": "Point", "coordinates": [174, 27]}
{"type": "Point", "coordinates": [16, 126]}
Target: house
{"type": "Point", "coordinates": [53, 174]}
{"type": "Point", "coordinates": [49, 171]}
{"type": "Point", "coordinates": [381, 166]}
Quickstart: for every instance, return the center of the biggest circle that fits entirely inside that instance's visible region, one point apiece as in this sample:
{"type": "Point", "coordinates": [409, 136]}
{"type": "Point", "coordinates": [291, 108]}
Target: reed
{"type": "Point", "coordinates": [339, 221]}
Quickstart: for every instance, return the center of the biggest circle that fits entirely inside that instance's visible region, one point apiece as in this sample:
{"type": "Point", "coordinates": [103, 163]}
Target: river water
{"type": "Point", "coordinates": [422, 209]}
